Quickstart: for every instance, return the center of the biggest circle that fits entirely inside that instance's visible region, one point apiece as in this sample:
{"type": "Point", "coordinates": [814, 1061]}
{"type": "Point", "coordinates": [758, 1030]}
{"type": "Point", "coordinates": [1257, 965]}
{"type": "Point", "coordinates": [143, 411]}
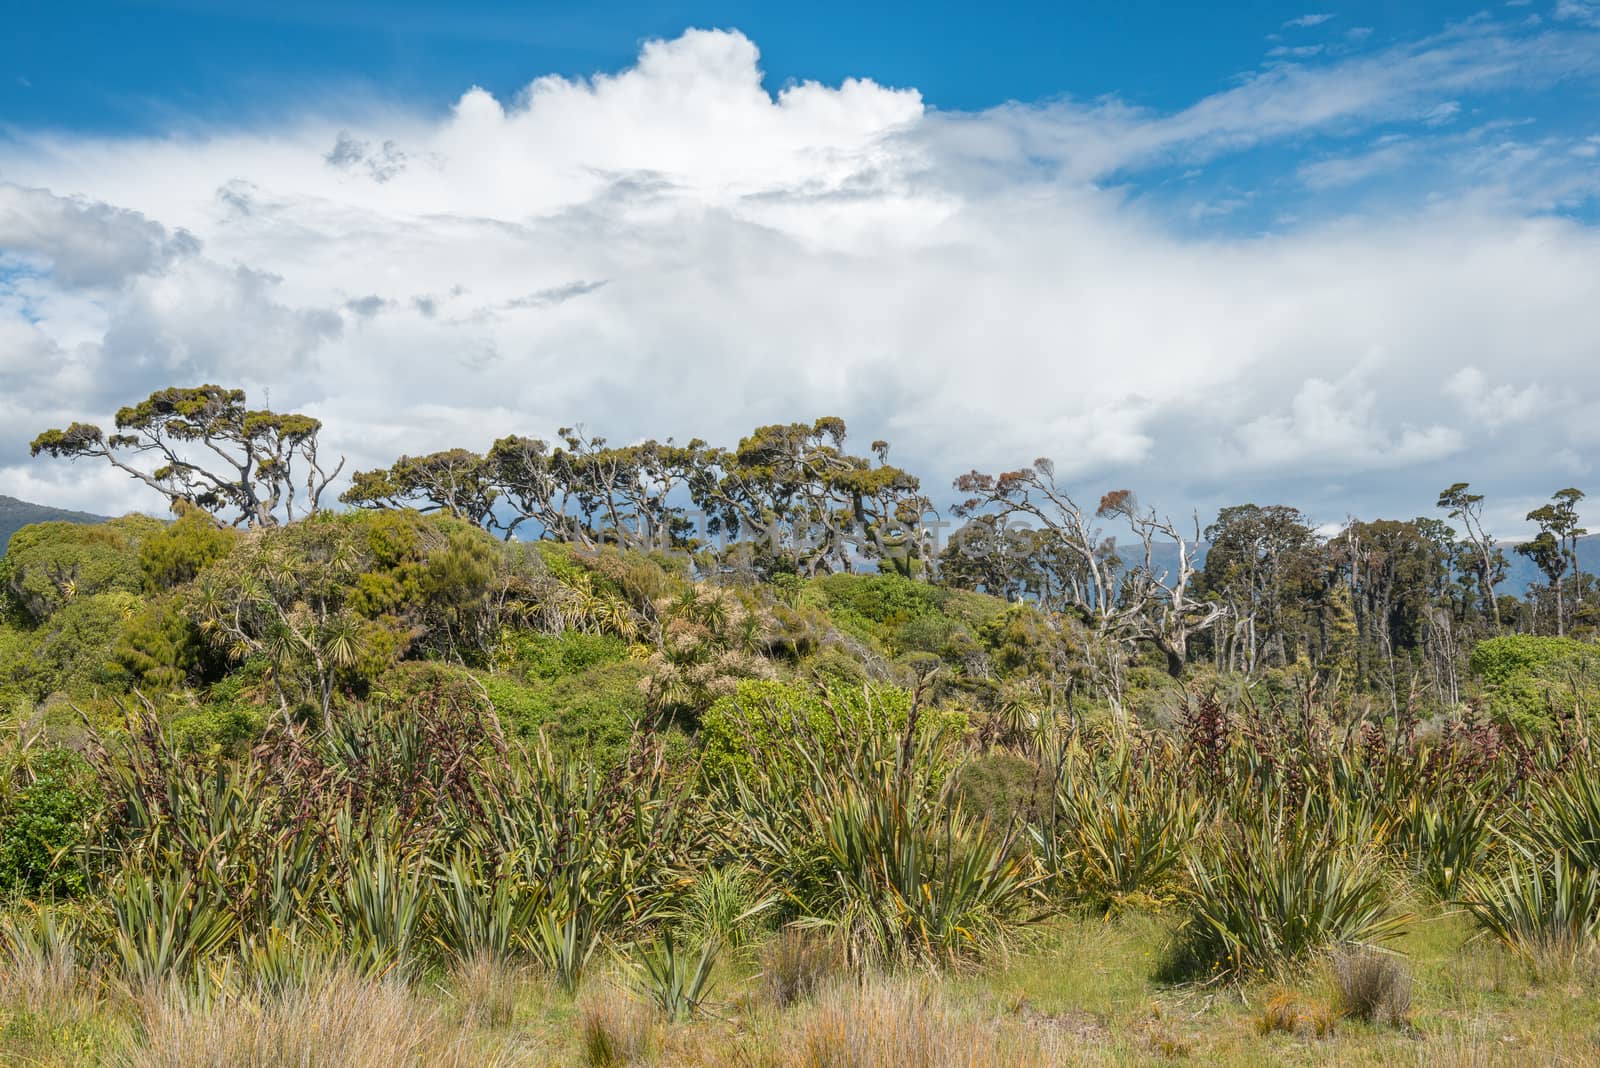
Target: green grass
{"type": "Point", "coordinates": [1081, 991]}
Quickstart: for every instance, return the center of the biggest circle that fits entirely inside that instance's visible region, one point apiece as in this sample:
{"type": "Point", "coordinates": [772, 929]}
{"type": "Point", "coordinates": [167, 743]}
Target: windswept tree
{"type": "Point", "coordinates": [534, 485]}
{"type": "Point", "coordinates": [632, 495]}
{"type": "Point", "coordinates": [1467, 507]}
{"type": "Point", "coordinates": [789, 493]}
{"type": "Point", "coordinates": [1554, 550]}
{"type": "Point", "coordinates": [455, 481]}
{"type": "Point", "coordinates": [812, 507]}
{"type": "Point", "coordinates": [580, 490]}
{"type": "Point", "coordinates": [204, 447]}
{"type": "Point", "coordinates": [1143, 600]}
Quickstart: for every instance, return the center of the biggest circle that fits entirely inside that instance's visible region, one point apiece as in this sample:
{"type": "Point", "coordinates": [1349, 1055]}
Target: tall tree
{"type": "Point", "coordinates": [1467, 507]}
{"type": "Point", "coordinates": [811, 506]}
{"type": "Point", "coordinates": [204, 447]}
{"type": "Point", "coordinates": [1145, 601]}
{"type": "Point", "coordinates": [1267, 566]}
{"type": "Point", "coordinates": [1555, 549]}
{"type": "Point", "coordinates": [1393, 571]}
{"type": "Point", "coordinates": [456, 481]}
{"type": "Point", "coordinates": [1010, 561]}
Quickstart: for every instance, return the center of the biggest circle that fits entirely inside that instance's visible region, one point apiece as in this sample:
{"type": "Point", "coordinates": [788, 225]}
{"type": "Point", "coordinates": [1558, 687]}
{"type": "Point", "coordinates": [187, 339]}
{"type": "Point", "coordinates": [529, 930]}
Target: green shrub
{"type": "Point", "coordinates": [1022, 640]}
{"type": "Point", "coordinates": [760, 721]}
{"type": "Point", "coordinates": [1528, 680]}
{"type": "Point", "coordinates": [887, 600]}
{"type": "Point", "coordinates": [163, 649]}
{"type": "Point", "coordinates": [42, 826]}
{"type": "Point", "coordinates": [1118, 835]}
{"type": "Point", "coordinates": [1545, 911]}
{"type": "Point", "coordinates": [673, 979]}
{"type": "Point", "coordinates": [553, 656]}
{"type": "Point", "coordinates": [413, 682]}
{"type": "Point", "coordinates": [1003, 787]}
{"type": "Point", "coordinates": [925, 634]}
{"type": "Point", "coordinates": [888, 610]}
{"type": "Point", "coordinates": [1567, 820]}
{"type": "Point", "coordinates": [73, 650]}
{"type": "Point", "coordinates": [217, 729]}
{"type": "Point", "coordinates": [178, 551]}
{"type": "Point", "coordinates": [724, 906]}
{"type": "Point", "coordinates": [1441, 840]}
{"type": "Point", "coordinates": [50, 565]}
{"type": "Point", "coordinates": [594, 710]}
{"type": "Point", "coordinates": [164, 925]}
{"type": "Point", "coordinates": [868, 841]}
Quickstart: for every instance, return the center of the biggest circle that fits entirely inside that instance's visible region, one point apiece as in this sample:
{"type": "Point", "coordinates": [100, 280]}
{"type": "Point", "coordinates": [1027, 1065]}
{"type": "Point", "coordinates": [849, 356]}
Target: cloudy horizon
{"type": "Point", "coordinates": [1358, 271]}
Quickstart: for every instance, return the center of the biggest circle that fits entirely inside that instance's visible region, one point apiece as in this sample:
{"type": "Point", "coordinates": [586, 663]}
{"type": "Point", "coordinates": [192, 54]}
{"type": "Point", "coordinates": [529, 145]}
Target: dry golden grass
{"type": "Point", "coordinates": [615, 1028]}
{"type": "Point", "coordinates": [797, 962]}
{"type": "Point", "coordinates": [37, 978]}
{"type": "Point", "coordinates": [1372, 986]}
{"type": "Point", "coordinates": [912, 1023]}
{"type": "Point", "coordinates": [336, 1019]}
{"type": "Point", "coordinates": [1081, 995]}
{"type": "Point", "coordinates": [487, 991]}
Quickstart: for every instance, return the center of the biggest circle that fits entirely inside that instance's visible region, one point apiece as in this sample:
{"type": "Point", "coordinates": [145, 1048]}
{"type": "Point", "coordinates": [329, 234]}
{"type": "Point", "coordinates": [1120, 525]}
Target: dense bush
{"type": "Point", "coordinates": [596, 709]}
{"type": "Point", "coordinates": [49, 565]}
{"type": "Point", "coordinates": [180, 550]}
{"type": "Point", "coordinates": [42, 827]}
{"type": "Point", "coordinates": [394, 740]}
{"type": "Point", "coordinates": [162, 648]}
{"type": "Point", "coordinates": [217, 729]}
{"type": "Point", "coordinates": [1531, 681]}
{"type": "Point", "coordinates": [535, 655]}
{"type": "Point", "coordinates": [72, 650]}
{"type": "Point", "coordinates": [1004, 787]}
{"type": "Point", "coordinates": [760, 723]}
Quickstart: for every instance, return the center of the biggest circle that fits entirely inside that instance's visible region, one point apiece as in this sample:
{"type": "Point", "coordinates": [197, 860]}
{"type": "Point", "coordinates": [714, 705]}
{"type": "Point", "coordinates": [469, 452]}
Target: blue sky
{"type": "Point", "coordinates": [97, 65]}
{"type": "Point", "coordinates": [1328, 256]}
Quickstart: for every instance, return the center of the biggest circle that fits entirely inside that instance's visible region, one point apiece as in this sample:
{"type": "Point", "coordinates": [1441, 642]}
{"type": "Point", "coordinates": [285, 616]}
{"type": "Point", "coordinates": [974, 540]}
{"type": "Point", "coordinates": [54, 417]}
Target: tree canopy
{"type": "Point", "coordinates": [204, 447]}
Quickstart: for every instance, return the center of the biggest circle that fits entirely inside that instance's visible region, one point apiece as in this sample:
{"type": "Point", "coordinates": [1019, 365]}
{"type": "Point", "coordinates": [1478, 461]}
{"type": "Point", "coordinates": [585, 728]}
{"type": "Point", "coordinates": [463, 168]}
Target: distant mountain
{"type": "Point", "coordinates": [1522, 571]}
{"type": "Point", "coordinates": [15, 514]}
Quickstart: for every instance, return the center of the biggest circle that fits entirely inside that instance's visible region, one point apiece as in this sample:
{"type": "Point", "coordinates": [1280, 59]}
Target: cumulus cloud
{"type": "Point", "coordinates": [675, 250]}
{"type": "Point", "coordinates": [1334, 427]}
{"type": "Point", "coordinates": [1496, 406]}
{"type": "Point", "coordinates": [84, 243]}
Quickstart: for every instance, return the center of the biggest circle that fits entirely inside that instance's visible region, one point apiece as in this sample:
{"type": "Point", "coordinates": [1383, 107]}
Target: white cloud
{"type": "Point", "coordinates": [1335, 427]}
{"type": "Point", "coordinates": [84, 243]}
{"type": "Point", "coordinates": [1389, 155]}
{"type": "Point", "coordinates": [1404, 82]}
{"type": "Point", "coordinates": [1297, 52]}
{"type": "Point", "coordinates": [1500, 405]}
{"type": "Point", "coordinates": [672, 250]}
{"type": "Point", "coordinates": [1307, 21]}
{"type": "Point", "coordinates": [1442, 113]}
{"type": "Point", "coordinates": [1584, 11]}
